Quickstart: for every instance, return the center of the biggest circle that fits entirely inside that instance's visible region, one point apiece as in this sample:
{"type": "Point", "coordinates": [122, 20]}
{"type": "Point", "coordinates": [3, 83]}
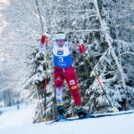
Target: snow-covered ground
{"type": "Point", "coordinates": [15, 121]}
{"type": "Point", "coordinates": [12, 117]}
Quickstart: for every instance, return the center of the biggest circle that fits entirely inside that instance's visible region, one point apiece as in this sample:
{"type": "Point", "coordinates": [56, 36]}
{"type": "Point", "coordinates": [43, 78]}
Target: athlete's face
{"type": "Point", "coordinates": [60, 42]}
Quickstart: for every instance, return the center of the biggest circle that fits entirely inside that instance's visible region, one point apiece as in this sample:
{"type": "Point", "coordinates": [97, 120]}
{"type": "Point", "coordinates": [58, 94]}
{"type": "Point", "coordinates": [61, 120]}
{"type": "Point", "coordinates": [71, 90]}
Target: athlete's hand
{"type": "Point", "coordinates": [43, 39]}
{"type": "Point", "coordinates": [82, 48]}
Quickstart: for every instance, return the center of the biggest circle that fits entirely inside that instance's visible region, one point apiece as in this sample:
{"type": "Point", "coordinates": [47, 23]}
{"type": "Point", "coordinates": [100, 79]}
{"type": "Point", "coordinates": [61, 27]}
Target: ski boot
{"type": "Point", "coordinates": [81, 114]}
{"type": "Point", "coordinates": [60, 110]}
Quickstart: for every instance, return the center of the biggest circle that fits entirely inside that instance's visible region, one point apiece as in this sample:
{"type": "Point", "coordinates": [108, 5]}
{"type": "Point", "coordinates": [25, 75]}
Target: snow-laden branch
{"type": "Point", "coordinates": [102, 58]}
{"type": "Point", "coordinates": [124, 42]}
{"type": "Point", "coordinates": [109, 40]}
{"type": "Point", "coordinates": [86, 30]}
{"type": "Point", "coordinates": [131, 53]}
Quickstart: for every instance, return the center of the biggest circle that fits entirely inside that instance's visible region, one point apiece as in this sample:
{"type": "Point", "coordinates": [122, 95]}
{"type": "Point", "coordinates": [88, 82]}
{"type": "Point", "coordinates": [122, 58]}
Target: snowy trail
{"type": "Point", "coordinates": [19, 122]}
{"type": "Point", "coordinates": [122, 124]}
{"type": "Point", "coordinates": [13, 117]}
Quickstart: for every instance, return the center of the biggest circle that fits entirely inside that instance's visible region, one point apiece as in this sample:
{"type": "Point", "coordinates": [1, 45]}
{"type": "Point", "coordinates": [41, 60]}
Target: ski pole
{"type": "Point", "coordinates": [42, 29]}
{"type": "Point", "coordinates": [43, 42]}
{"type": "Point", "coordinates": [99, 82]}
{"type": "Point", "coordinates": [46, 73]}
{"type": "Point", "coordinates": [45, 85]}
{"type": "Point", "coordinates": [46, 41]}
{"type": "Point", "coordinates": [96, 76]}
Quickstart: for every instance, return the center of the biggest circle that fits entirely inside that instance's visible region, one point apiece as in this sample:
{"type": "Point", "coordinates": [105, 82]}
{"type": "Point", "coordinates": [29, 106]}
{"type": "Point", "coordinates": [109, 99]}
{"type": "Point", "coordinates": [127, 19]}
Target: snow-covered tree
{"type": "Point", "coordinates": [106, 27]}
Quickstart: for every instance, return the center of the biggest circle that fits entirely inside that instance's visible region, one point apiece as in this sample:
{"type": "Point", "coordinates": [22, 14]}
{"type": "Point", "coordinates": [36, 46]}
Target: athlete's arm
{"type": "Point", "coordinates": [80, 48]}
{"type": "Point", "coordinates": [45, 44]}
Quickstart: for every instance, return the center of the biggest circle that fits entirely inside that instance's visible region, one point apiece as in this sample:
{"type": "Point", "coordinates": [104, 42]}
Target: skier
{"type": "Point", "coordinates": [63, 69]}
{"type": "Point", "coordinates": [17, 104]}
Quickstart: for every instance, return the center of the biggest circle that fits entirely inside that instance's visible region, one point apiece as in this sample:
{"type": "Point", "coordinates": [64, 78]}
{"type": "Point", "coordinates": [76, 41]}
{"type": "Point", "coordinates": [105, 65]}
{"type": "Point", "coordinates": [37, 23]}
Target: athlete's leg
{"type": "Point", "coordinates": [59, 98]}
{"type": "Point", "coordinates": [58, 83]}
{"type": "Point", "coordinates": [73, 86]}
{"type": "Point", "coordinates": [72, 83]}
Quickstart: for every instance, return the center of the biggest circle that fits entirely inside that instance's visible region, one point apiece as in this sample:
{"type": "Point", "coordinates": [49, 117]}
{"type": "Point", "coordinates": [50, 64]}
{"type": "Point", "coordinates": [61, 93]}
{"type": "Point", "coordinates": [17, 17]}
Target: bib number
{"type": "Point", "coordinates": [60, 59]}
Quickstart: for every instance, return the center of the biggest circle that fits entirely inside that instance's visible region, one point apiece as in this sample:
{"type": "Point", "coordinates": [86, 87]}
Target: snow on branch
{"type": "Point", "coordinates": [109, 41]}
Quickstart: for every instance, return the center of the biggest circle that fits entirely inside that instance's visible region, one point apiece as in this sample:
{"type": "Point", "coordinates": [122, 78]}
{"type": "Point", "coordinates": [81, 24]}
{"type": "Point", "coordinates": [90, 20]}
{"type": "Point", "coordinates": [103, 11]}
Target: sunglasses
{"type": "Point", "coordinates": [60, 41]}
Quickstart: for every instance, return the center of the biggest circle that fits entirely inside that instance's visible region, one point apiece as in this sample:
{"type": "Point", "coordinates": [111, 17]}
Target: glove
{"type": "Point", "coordinates": [42, 40]}
{"type": "Point", "coordinates": [81, 48]}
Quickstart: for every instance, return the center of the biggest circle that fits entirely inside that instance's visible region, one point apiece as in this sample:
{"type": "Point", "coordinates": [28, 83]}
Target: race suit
{"type": "Point", "coordinates": [63, 69]}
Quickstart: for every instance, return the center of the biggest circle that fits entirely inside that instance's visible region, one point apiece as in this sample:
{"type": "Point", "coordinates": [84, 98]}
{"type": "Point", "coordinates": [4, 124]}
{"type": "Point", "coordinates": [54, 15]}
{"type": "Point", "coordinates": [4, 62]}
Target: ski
{"type": "Point", "coordinates": [104, 115]}
{"type": "Point", "coordinates": [58, 120]}
{"type": "Point", "coordinates": [51, 122]}
{"type": "Point", "coordinates": [92, 116]}
{"type": "Point", "coordinates": [112, 114]}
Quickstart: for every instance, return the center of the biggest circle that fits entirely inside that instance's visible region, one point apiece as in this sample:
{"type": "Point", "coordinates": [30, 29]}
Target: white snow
{"type": "Point", "coordinates": [14, 121]}
{"type": "Point", "coordinates": [11, 117]}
